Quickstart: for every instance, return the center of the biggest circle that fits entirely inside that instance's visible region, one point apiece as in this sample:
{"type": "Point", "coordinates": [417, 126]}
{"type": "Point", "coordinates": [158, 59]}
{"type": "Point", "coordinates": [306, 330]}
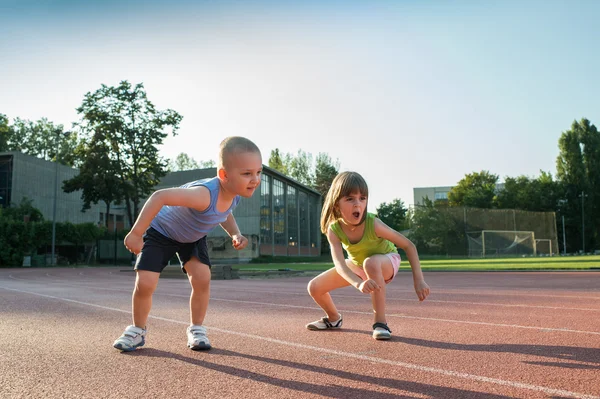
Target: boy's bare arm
{"type": "Point", "coordinates": [231, 227]}
{"type": "Point", "coordinates": [195, 197]}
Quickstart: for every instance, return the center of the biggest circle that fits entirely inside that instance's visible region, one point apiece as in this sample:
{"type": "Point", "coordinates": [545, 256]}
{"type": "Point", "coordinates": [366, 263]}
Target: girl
{"type": "Point", "coordinates": [373, 260]}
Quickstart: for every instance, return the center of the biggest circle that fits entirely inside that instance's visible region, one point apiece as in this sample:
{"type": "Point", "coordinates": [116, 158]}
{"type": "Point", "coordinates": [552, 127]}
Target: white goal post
{"type": "Point", "coordinates": [543, 246]}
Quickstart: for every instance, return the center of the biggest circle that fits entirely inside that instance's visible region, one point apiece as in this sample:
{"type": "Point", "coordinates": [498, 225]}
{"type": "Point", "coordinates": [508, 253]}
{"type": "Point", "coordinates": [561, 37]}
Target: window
{"type": "Point", "coordinates": [278, 212]}
{"type": "Point", "coordinates": [440, 195]}
{"type": "Point", "coordinates": [292, 216]}
{"type": "Point", "coordinates": [265, 209]}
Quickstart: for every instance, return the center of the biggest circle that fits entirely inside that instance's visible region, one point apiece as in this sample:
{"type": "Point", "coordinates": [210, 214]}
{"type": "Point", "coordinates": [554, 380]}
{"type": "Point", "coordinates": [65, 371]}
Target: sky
{"type": "Point", "coordinates": [407, 93]}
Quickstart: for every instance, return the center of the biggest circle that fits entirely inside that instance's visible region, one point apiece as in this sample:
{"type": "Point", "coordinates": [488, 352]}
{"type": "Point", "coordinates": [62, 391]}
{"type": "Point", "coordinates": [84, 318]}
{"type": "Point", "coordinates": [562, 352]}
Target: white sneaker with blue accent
{"type": "Point", "coordinates": [197, 339]}
{"type": "Point", "coordinates": [132, 338]}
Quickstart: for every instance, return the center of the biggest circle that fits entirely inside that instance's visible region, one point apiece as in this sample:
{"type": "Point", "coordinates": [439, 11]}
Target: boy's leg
{"type": "Point", "coordinates": [155, 254]}
{"type": "Point", "coordinates": [319, 288]}
{"type": "Point", "coordinates": [199, 277]}
{"type": "Point", "coordinates": [141, 301]}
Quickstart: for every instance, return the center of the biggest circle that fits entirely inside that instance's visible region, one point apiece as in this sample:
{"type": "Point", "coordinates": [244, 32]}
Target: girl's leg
{"type": "Point", "coordinates": [380, 269]}
{"type": "Point", "coordinates": [141, 301]}
{"type": "Point", "coordinates": [319, 288]}
{"type": "Point", "coordinates": [199, 277]}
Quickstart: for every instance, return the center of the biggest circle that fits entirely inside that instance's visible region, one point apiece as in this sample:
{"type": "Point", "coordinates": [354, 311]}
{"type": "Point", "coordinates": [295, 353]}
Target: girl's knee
{"type": "Point", "coordinates": [313, 287]}
{"type": "Point", "coordinates": [372, 266]}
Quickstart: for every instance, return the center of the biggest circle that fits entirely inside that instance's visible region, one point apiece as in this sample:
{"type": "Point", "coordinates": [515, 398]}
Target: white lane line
{"type": "Point", "coordinates": [72, 283]}
{"type": "Point", "coordinates": [410, 366]}
{"type": "Point", "coordinates": [400, 316]}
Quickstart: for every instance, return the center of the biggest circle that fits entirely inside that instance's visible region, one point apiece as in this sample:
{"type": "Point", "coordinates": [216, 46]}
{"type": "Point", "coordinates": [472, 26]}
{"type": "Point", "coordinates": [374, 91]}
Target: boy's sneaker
{"type": "Point", "coordinates": [324, 324]}
{"type": "Point", "coordinates": [197, 339]}
{"type": "Point", "coordinates": [381, 331]}
{"type": "Point", "coordinates": [132, 338]}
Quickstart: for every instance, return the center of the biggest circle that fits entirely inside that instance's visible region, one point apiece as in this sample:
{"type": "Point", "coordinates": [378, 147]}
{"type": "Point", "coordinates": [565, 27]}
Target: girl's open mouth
{"type": "Point", "coordinates": [356, 214]}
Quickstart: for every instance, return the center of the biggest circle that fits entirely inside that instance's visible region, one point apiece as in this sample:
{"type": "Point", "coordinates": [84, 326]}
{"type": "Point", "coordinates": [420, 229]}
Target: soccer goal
{"type": "Point", "coordinates": [492, 243]}
{"type": "Point", "coordinates": [543, 247]}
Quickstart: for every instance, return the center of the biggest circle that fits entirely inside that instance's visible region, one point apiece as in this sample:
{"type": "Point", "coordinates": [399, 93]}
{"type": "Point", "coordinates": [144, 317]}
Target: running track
{"type": "Point", "coordinates": [479, 335]}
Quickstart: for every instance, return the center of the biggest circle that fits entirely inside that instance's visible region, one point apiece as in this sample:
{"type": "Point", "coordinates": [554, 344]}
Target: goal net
{"type": "Point", "coordinates": [543, 247]}
{"type": "Point", "coordinates": [491, 243]}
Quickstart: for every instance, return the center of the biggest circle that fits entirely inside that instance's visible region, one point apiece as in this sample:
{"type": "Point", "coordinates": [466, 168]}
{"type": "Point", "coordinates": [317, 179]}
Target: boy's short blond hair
{"type": "Point", "coordinates": [232, 145]}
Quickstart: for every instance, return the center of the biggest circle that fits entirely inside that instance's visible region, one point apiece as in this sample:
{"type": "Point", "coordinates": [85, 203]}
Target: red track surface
{"type": "Point", "coordinates": [479, 335]}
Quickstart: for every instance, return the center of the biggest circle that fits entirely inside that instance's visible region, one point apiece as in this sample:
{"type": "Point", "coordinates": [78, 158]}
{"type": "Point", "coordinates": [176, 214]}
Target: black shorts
{"type": "Point", "coordinates": [158, 250]}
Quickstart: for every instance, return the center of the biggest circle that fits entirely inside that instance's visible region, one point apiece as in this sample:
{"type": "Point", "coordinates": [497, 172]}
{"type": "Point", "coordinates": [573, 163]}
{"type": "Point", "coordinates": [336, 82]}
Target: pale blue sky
{"type": "Point", "coordinates": [408, 93]}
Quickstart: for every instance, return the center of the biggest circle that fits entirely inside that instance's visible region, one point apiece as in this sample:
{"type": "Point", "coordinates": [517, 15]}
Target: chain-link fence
{"type": "Point", "coordinates": [458, 231]}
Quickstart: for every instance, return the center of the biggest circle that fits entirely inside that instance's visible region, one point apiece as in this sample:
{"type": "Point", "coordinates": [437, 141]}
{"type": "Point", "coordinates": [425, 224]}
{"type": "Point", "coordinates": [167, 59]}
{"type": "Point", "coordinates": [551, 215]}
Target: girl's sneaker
{"type": "Point", "coordinates": [132, 338]}
{"type": "Point", "coordinates": [197, 339]}
{"type": "Point", "coordinates": [381, 331]}
{"type": "Point", "coordinates": [324, 324]}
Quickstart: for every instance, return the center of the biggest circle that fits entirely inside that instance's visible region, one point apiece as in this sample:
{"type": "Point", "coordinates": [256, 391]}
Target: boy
{"type": "Point", "coordinates": [177, 220]}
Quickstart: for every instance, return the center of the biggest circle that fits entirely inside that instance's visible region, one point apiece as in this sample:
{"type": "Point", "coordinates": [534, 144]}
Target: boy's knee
{"type": "Point", "coordinates": [145, 286]}
{"type": "Point", "coordinates": [199, 275]}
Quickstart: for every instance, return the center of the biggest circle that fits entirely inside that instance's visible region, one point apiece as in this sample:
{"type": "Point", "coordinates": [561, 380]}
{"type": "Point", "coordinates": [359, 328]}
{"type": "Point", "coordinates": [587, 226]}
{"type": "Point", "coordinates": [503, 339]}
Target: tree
{"type": "Point", "coordinates": [132, 129]}
{"type": "Point", "coordinates": [97, 179]}
{"type": "Point", "coordinates": [184, 162]}
{"type": "Point", "coordinates": [325, 171]}
{"type": "Point", "coordinates": [276, 162]}
{"type": "Point", "coordinates": [5, 131]}
{"type": "Point", "coordinates": [300, 168]}
{"type": "Point", "coordinates": [393, 214]}
{"type": "Point", "coordinates": [435, 231]}
{"type": "Point", "coordinates": [539, 194]}
{"type": "Point", "coordinates": [475, 190]}
{"type": "Point", "coordinates": [42, 139]}
{"type": "Point", "coordinates": [578, 170]}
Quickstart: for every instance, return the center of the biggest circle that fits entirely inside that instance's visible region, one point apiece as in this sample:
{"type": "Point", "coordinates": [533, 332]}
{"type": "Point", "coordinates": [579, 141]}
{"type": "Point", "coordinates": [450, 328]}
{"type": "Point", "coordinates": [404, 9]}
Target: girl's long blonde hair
{"type": "Point", "coordinates": [343, 185]}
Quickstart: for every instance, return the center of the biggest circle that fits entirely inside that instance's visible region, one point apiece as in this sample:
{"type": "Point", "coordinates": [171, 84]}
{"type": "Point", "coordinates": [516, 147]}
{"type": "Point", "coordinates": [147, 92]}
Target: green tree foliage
{"type": "Point", "coordinates": [393, 214]}
{"type": "Point", "coordinates": [132, 129]}
{"type": "Point", "coordinates": [98, 177]}
{"type": "Point", "coordinates": [24, 212]}
{"type": "Point", "coordinates": [325, 171]}
{"type": "Point", "coordinates": [5, 131]}
{"type": "Point", "coordinates": [475, 190]}
{"type": "Point", "coordinates": [578, 171]}
{"type": "Point", "coordinates": [277, 162]}
{"type": "Point", "coordinates": [300, 168]}
{"type": "Point", "coordinates": [42, 139]}
{"type": "Point", "coordinates": [23, 231]}
{"type": "Point", "coordinates": [184, 162]}
{"type": "Point", "coordinates": [539, 194]}
{"type": "Point", "coordinates": [436, 232]}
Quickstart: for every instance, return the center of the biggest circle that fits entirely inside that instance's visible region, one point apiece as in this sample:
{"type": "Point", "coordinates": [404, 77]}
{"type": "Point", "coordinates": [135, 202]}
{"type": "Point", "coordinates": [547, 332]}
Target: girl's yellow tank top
{"type": "Point", "coordinates": [369, 244]}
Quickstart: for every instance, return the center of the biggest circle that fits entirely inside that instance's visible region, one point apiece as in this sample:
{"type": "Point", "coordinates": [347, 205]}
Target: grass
{"type": "Point", "coordinates": [503, 264]}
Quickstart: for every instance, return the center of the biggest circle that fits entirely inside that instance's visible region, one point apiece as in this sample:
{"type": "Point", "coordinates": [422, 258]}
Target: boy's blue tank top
{"type": "Point", "coordinates": [186, 225]}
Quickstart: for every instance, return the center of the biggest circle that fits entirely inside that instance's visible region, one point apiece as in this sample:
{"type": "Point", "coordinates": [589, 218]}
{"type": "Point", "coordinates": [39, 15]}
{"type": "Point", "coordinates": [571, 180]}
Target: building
{"type": "Point", "coordinates": [281, 218]}
{"type": "Point", "coordinates": [437, 193]}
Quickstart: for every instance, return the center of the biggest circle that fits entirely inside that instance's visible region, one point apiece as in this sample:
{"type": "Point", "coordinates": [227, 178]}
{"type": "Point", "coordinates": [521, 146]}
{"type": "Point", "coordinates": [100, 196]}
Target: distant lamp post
{"type": "Point", "coordinates": [582, 196]}
{"type": "Point", "coordinates": [561, 202]}
{"type": "Point", "coordinates": [115, 230]}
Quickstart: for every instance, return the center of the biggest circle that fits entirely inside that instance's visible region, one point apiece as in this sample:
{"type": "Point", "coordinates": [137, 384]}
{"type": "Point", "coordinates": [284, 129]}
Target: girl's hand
{"type": "Point", "coordinates": [368, 286]}
{"type": "Point", "coordinates": [239, 241]}
{"type": "Point", "coordinates": [133, 242]}
{"type": "Point", "coordinates": [422, 289]}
